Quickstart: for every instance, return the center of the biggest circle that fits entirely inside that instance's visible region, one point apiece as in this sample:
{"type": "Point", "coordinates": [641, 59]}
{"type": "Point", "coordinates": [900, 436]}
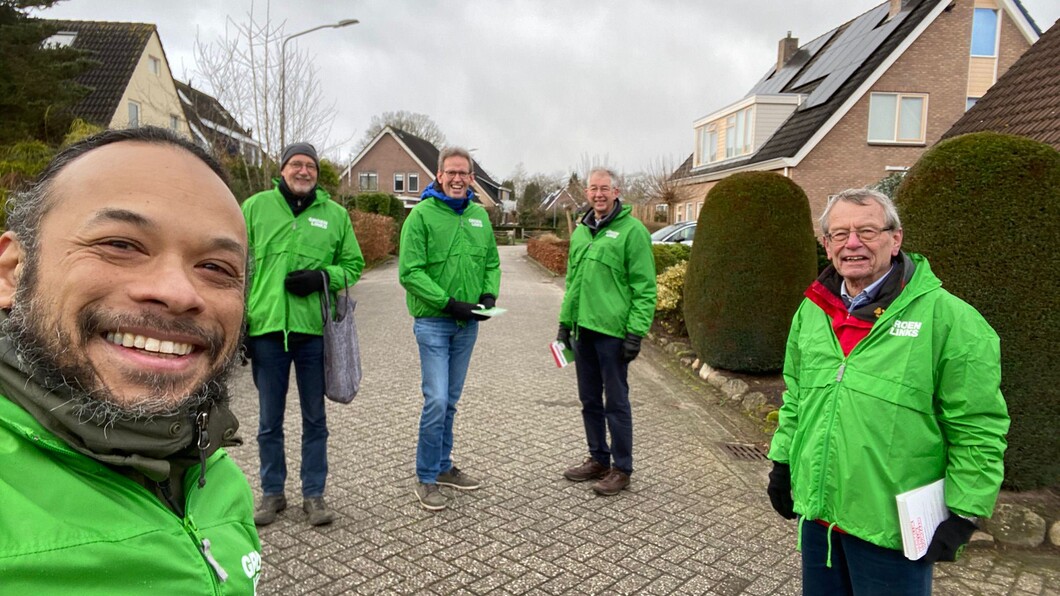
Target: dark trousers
{"type": "Point", "coordinates": [271, 366]}
{"type": "Point", "coordinates": [859, 568]}
{"type": "Point", "coordinates": [602, 371]}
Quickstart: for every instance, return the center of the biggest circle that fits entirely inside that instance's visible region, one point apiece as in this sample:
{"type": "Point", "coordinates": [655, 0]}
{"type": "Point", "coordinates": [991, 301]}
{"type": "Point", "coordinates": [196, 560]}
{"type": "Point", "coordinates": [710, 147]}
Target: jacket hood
{"type": "Point", "coordinates": [150, 446]}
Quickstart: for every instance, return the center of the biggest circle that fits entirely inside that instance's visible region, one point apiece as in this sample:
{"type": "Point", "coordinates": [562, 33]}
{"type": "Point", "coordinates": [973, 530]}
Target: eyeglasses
{"type": "Point", "coordinates": [863, 234]}
{"type": "Point", "coordinates": [297, 165]}
{"type": "Point", "coordinates": [456, 174]}
{"type": "Point", "coordinates": [603, 189]}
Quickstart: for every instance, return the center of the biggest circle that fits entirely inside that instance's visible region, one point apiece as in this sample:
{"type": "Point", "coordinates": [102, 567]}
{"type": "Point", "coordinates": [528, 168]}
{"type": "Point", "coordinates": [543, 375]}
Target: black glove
{"type": "Point", "coordinates": [949, 540]}
{"type": "Point", "coordinates": [304, 281]}
{"type": "Point", "coordinates": [780, 490]}
{"type": "Point", "coordinates": [461, 311]}
{"type": "Point", "coordinates": [630, 347]}
{"type": "Point", "coordinates": [485, 301]}
{"type": "Point", "coordinates": [563, 336]}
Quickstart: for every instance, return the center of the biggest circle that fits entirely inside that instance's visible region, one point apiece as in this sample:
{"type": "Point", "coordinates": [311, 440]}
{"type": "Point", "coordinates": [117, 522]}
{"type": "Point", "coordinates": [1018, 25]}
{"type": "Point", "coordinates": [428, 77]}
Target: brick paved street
{"type": "Point", "coordinates": [695, 521]}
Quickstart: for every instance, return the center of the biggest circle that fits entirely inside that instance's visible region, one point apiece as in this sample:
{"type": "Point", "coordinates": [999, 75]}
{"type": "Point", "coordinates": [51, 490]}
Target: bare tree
{"type": "Point", "coordinates": [242, 70]}
{"type": "Point", "coordinates": [413, 123]}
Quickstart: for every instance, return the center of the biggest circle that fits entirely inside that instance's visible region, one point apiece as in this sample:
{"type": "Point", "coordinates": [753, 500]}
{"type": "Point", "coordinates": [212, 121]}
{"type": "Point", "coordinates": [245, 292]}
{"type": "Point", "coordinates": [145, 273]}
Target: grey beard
{"type": "Point", "coordinates": [48, 361]}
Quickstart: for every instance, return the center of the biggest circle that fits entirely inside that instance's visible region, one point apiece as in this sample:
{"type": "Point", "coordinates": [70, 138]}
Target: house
{"type": "Point", "coordinates": [213, 127]}
{"type": "Point", "coordinates": [402, 164]}
{"type": "Point", "coordinates": [860, 102]}
{"type": "Point", "coordinates": [131, 85]}
{"type": "Point", "coordinates": [1025, 101]}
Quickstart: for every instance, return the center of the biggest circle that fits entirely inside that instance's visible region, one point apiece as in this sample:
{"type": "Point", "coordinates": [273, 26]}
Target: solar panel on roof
{"type": "Point", "coordinates": [775, 83]}
{"type": "Point", "coordinates": [849, 51]}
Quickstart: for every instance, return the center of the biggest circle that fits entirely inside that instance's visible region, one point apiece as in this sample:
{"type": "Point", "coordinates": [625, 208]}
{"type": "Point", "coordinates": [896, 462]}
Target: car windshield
{"type": "Point", "coordinates": [664, 232]}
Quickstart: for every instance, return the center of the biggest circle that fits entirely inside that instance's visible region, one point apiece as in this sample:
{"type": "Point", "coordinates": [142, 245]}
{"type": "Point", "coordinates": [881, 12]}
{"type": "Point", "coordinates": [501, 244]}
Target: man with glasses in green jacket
{"type": "Point", "coordinates": [450, 268]}
{"type": "Point", "coordinates": [892, 384]}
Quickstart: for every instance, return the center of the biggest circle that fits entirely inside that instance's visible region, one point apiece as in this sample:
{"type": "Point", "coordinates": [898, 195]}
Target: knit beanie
{"type": "Point", "coordinates": [299, 149]}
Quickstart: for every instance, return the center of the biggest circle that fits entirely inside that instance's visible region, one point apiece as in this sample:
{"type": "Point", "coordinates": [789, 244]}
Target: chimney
{"type": "Point", "coordinates": [895, 8]}
{"type": "Point", "coordinates": [786, 49]}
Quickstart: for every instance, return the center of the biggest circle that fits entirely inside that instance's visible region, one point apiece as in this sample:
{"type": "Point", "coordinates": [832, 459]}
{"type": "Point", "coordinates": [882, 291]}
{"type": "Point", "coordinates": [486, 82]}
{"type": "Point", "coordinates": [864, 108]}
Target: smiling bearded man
{"type": "Point", "coordinates": [121, 318]}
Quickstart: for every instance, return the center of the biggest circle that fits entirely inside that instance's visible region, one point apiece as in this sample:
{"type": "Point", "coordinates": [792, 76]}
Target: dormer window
{"type": "Point", "coordinates": [741, 128]}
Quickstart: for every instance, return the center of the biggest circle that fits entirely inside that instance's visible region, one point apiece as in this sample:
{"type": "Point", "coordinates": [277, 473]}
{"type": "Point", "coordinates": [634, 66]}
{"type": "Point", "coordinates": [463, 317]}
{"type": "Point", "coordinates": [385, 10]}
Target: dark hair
{"type": "Point", "coordinates": [26, 209]}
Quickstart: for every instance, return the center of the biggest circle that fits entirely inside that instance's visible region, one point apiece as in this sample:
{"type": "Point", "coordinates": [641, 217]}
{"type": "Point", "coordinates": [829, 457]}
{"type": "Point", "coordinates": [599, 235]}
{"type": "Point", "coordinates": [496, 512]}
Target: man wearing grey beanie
{"type": "Point", "coordinates": [303, 244]}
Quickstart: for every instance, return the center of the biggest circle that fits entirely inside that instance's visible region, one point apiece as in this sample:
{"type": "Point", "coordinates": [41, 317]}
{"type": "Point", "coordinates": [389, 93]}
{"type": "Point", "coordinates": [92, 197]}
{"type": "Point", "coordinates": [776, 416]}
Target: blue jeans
{"type": "Point", "coordinates": [271, 366]}
{"type": "Point", "coordinates": [445, 352]}
{"type": "Point", "coordinates": [858, 567]}
{"type": "Point", "coordinates": [601, 370]}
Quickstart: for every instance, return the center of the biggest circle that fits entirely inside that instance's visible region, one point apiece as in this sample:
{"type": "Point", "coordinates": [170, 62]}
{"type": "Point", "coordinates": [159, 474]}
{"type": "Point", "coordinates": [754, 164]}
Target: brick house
{"type": "Point", "coordinates": [131, 85]}
{"type": "Point", "coordinates": [402, 164]}
{"type": "Point", "coordinates": [860, 102]}
{"type": "Point", "coordinates": [1025, 101]}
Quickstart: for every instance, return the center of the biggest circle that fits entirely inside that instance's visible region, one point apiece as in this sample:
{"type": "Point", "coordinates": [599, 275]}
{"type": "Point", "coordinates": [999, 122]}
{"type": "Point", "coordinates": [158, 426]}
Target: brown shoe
{"type": "Point", "coordinates": [612, 484]}
{"type": "Point", "coordinates": [590, 469]}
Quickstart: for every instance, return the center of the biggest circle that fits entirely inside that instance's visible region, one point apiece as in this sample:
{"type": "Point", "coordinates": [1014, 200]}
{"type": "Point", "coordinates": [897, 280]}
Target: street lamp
{"type": "Point", "coordinates": [283, 72]}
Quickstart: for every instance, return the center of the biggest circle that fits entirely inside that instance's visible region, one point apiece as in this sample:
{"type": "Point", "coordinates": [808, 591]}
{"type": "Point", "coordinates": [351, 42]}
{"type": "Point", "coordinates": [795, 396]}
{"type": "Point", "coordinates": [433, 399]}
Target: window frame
{"type": "Point", "coordinates": [368, 181]}
{"type": "Point", "coordinates": [895, 138]}
{"type": "Point", "coordinates": [399, 180]}
{"type": "Point", "coordinates": [996, 32]}
{"type": "Point", "coordinates": [154, 65]}
{"type": "Point", "coordinates": [134, 114]}
{"type": "Point", "coordinates": [409, 178]}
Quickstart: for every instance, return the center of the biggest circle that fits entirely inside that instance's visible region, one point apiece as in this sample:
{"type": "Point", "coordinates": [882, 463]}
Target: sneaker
{"type": "Point", "coordinates": [430, 497]}
{"type": "Point", "coordinates": [612, 484]}
{"type": "Point", "coordinates": [454, 478]}
{"type": "Point", "coordinates": [317, 510]}
{"type": "Point", "coordinates": [590, 469]}
{"type": "Point", "coordinates": [268, 508]}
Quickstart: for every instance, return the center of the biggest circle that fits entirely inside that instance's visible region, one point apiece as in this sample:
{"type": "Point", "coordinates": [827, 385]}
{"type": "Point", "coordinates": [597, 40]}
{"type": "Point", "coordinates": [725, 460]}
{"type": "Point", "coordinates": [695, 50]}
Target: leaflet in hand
{"type": "Point", "coordinates": [920, 511]}
{"type": "Point", "coordinates": [561, 353]}
{"type": "Point", "coordinates": [490, 312]}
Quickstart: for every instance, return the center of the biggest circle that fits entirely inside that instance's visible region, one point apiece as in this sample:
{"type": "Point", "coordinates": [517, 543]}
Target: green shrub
{"type": "Point", "coordinates": [20, 163]}
{"type": "Point", "coordinates": [669, 306]}
{"type": "Point", "coordinates": [984, 209]}
{"type": "Point", "coordinates": [752, 260]}
{"type": "Point", "coordinates": [668, 255]}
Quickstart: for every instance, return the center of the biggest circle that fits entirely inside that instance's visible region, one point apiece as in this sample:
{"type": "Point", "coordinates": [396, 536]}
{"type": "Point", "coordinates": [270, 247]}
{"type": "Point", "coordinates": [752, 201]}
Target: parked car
{"type": "Point", "coordinates": [681, 232]}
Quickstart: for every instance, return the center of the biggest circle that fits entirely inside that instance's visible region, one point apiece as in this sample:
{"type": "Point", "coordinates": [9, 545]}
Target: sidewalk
{"type": "Point", "coordinates": [695, 520]}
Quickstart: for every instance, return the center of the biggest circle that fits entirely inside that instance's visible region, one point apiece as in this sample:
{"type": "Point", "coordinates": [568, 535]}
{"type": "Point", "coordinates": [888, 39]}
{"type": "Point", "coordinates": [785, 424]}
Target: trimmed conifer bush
{"type": "Point", "coordinates": [984, 208]}
{"type": "Point", "coordinates": [752, 260]}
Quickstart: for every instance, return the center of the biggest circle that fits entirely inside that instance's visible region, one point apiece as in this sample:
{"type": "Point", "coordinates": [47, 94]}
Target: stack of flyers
{"type": "Point", "coordinates": [561, 353]}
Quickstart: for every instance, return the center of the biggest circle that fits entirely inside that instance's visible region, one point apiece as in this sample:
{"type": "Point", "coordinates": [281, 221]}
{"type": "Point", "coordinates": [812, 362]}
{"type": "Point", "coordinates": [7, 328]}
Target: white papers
{"type": "Point", "coordinates": [490, 312]}
{"type": "Point", "coordinates": [920, 511]}
{"type": "Point", "coordinates": [561, 354]}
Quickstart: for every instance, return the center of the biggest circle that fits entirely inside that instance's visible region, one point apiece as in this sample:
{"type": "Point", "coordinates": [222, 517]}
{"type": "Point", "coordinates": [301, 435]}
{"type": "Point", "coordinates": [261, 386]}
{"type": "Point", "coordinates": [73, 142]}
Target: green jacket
{"type": "Point", "coordinates": [610, 278]}
{"type": "Point", "coordinates": [321, 237]}
{"type": "Point", "coordinates": [916, 400]}
{"type": "Point", "coordinates": [71, 525]}
{"type": "Point", "coordinates": [444, 255]}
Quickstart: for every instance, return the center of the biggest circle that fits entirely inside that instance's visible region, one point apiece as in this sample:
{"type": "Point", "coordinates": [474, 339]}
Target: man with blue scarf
{"type": "Point", "coordinates": [449, 268]}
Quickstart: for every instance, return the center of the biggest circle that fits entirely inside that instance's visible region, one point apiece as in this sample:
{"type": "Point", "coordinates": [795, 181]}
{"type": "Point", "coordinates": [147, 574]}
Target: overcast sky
{"type": "Point", "coordinates": [547, 84]}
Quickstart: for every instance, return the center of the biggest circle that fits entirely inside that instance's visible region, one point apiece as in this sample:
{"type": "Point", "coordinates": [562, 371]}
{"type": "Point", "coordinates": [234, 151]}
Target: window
{"type": "Point", "coordinates": [712, 144]}
{"type": "Point", "coordinates": [154, 64]}
{"type": "Point", "coordinates": [699, 209]}
{"type": "Point", "coordinates": [134, 114]}
{"type": "Point", "coordinates": [661, 212]}
{"type": "Point", "coordinates": [174, 122]}
{"type": "Point", "coordinates": [414, 182]}
{"type": "Point", "coordinates": [688, 211]}
{"type": "Point", "coordinates": [677, 215]}
{"type": "Point", "coordinates": [730, 136]}
{"type": "Point", "coordinates": [897, 118]}
{"type": "Point", "coordinates": [738, 133]}
{"type": "Point", "coordinates": [984, 32]}
{"type": "Point", "coordinates": [399, 183]}
{"type": "Point", "coordinates": [368, 181]}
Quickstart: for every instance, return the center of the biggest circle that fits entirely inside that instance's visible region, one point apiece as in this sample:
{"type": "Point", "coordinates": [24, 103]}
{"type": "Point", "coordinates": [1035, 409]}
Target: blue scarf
{"type": "Point", "coordinates": [457, 205]}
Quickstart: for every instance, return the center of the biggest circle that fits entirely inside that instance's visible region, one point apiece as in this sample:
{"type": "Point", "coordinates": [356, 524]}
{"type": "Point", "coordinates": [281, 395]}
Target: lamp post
{"type": "Point", "coordinates": [283, 72]}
